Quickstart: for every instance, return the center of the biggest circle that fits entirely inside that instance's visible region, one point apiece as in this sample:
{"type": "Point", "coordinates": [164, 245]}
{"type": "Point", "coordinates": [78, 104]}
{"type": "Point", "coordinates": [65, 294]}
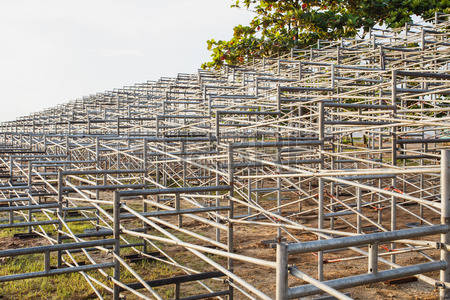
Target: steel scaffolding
{"type": "Point", "coordinates": [337, 149]}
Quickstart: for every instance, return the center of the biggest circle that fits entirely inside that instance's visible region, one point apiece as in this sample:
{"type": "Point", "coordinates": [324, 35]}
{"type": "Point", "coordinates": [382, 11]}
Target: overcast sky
{"type": "Point", "coordinates": [53, 51]}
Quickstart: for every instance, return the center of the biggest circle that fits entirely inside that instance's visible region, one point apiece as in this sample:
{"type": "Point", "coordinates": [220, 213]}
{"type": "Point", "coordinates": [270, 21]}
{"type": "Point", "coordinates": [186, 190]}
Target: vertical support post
{"type": "Point", "coordinates": [373, 258]}
{"type": "Point", "coordinates": [282, 272]}
{"type": "Point", "coordinates": [47, 261]}
{"type": "Point", "coordinates": [144, 204]}
{"type": "Point", "coordinates": [97, 162]}
{"type": "Point", "coordinates": [210, 106]}
{"type": "Point", "coordinates": [177, 208]}
{"type": "Point", "coordinates": [217, 128]}
{"type": "Point", "coordinates": [157, 125]}
{"type": "Point", "coordinates": [358, 209]}
{"type": "Point", "coordinates": [11, 213]}
{"type": "Point", "coordinates": [278, 98]}
{"type": "Point", "coordinates": [444, 293]}
{"type": "Point", "coordinates": [116, 232]}
{"type": "Point", "coordinates": [333, 76]}
{"type": "Point", "coordinates": [394, 156]}
{"type": "Point", "coordinates": [183, 152]}
{"type": "Point", "coordinates": [422, 177]}
{"type": "Point", "coordinates": [165, 103]}
{"type": "Point", "coordinates": [59, 215]}
{"type": "Point", "coordinates": [204, 92]}
{"type": "Point", "coordinates": [230, 214]}
{"type": "Point", "coordinates": [68, 154]}
{"type": "Point", "coordinates": [382, 60]}
{"type": "Point", "coordinates": [320, 213]}
{"type": "Point", "coordinates": [338, 54]}
{"type": "Point", "coordinates": [177, 291]}
{"type": "Point", "coordinates": [422, 37]}
{"type": "Point", "coordinates": [11, 169]}
{"type": "Point", "coordinates": [157, 178]}
{"type": "Point", "coordinates": [30, 201]}
{"type": "Point", "coordinates": [249, 183]}
{"type": "Point", "coordinates": [279, 200]}
{"type": "Point", "coordinates": [118, 154]}
{"type": "Point", "coordinates": [278, 153]}
{"type": "Point", "coordinates": [300, 71]}
{"type": "Point", "coordinates": [97, 192]}
{"type": "Point", "coordinates": [217, 199]}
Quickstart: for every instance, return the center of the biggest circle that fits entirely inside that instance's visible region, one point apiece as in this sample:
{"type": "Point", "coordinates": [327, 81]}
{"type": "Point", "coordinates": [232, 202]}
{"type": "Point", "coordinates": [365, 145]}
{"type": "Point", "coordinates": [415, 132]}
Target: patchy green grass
{"type": "Point", "coordinates": [11, 231]}
{"type": "Point", "coordinates": [74, 286]}
{"type": "Point", "coordinates": [67, 286]}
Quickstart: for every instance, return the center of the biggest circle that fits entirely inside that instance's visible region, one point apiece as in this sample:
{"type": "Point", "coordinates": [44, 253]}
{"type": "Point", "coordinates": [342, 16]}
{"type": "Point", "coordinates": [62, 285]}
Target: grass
{"type": "Point", "coordinates": [10, 232]}
{"type": "Point", "coordinates": [67, 286]}
{"type": "Point", "coordinates": [74, 286]}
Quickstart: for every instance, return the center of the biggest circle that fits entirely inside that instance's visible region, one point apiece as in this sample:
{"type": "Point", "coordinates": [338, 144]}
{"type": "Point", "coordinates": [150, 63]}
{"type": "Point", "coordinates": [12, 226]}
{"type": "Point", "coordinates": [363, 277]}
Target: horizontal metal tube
{"type": "Point", "coordinates": [198, 189]}
{"type": "Point", "coordinates": [366, 239]}
{"type": "Point", "coordinates": [423, 74]}
{"type": "Point", "coordinates": [56, 272]}
{"type": "Point", "coordinates": [58, 247]}
{"type": "Point", "coordinates": [80, 219]}
{"type": "Point", "coordinates": [77, 208]}
{"type": "Point", "coordinates": [276, 144]}
{"type": "Point", "coordinates": [14, 199]}
{"type": "Point", "coordinates": [366, 123]}
{"type": "Point", "coordinates": [420, 141]}
{"type": "Point", "coordinates": [24, 224]}
{"type": "Point", "coordinates": [93, 172]}
{"type": "Point", "coordinates": [182, 117]}
{"type": "Point", "coordinates": [304, 88]}
{"type": "Point", "coordinates": [28, 207]}
{"type": "Point", "coordinates": [287, 162]}
{"type": "Point", "coordinates": [175, 212]}
{"type": "Point", "coordinates": [342, 283]}
{"type": "Point", "coordinates": [178, 279]}
{"type": "Point", "coordinates": [104, 187]}
{"type": "Point", "coordinates": [357, 105]}
{"type": "Point", "coordinates": [17, 187]}
{"type": "Point", "coordinates": [241, 112]}
{"type": "Point", "coordinates": [57, 162]}
{"type": "Point", "coordinates": [366, 177]}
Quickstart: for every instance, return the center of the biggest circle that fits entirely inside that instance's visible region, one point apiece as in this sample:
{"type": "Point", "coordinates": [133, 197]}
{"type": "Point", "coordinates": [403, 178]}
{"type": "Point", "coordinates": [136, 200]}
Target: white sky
{"type": "Point", "coordinates": [53, 51]}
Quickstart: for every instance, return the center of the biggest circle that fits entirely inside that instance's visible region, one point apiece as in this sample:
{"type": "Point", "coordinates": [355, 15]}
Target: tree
{"type": "Point", "coordinates": [279, 25]}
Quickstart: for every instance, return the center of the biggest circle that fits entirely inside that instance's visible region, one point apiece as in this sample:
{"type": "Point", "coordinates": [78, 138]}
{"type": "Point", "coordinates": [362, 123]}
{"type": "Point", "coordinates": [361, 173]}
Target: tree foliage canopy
{"type": "Point", "coordinates": [279, 25]}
